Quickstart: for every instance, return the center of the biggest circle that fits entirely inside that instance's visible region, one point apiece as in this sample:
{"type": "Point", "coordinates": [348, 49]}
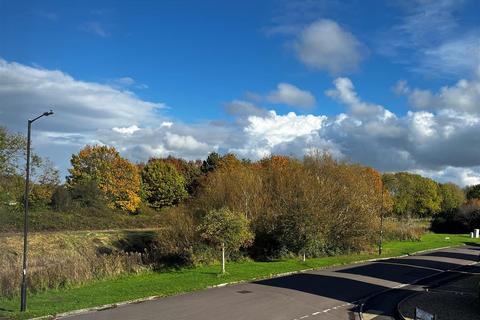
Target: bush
{"type": "Point", "coordinates": [61, 199]}
{"type": "Point", "coordinates": [463, 220]}
{"type": "Point", "coordinates": [88, 195]}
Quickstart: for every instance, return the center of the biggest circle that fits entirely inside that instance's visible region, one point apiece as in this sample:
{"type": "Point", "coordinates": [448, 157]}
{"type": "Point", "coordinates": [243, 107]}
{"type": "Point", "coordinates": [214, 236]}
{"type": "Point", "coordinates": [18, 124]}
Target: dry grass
{"type": "Point", "coordinates": [57, 260]}
{"type": "Point", "coordinates": [404, 230]}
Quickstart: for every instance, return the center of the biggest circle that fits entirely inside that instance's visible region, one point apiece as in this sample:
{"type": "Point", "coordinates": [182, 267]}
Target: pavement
{"type": "Point", "coordinates": [333, 293]}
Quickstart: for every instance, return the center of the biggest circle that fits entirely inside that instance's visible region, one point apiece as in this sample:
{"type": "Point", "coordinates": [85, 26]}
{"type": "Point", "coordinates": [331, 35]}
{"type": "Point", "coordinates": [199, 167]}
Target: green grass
{"type": "Point", "coordinates": [174, 282]}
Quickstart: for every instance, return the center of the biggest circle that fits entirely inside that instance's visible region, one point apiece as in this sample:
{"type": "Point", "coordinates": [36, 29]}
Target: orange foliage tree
{"type": "Point", "coordinates": [117, 178]}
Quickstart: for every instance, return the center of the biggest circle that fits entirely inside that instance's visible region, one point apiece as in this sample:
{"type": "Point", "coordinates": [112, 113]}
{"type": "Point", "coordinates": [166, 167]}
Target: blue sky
{"type": "Point", "coordinates": [378, 82]}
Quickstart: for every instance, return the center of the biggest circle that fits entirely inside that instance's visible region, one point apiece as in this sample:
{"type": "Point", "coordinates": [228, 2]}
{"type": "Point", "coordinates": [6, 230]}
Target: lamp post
{"type": "Point", "coordinates": [23, 303]}
{"type": "Point", "coordinates": [380, 243]}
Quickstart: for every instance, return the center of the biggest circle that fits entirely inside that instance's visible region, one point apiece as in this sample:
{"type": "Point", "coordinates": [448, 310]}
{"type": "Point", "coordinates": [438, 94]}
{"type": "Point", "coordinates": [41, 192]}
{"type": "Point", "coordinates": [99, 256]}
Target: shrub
{"type": "Point", "coordinates": [463, 220]}
{"type": "Point", "coordinates": [61, 199]}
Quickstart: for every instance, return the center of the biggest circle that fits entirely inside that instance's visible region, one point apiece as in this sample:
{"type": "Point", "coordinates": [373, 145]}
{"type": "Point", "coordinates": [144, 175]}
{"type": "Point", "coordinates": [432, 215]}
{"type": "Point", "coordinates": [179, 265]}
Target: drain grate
{"type": "Point", "coordinates": [244, 291]}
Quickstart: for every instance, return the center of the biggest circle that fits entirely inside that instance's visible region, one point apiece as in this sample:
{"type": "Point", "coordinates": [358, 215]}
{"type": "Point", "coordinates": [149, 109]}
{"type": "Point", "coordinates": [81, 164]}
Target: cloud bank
{"type": "Point", "coordinates": [438, 137]}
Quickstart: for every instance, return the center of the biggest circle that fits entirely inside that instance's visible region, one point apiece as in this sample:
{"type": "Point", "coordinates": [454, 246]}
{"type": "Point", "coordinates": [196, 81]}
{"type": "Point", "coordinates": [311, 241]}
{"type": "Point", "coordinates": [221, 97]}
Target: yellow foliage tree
{"type": "Point", "coordinates": [117, 178]}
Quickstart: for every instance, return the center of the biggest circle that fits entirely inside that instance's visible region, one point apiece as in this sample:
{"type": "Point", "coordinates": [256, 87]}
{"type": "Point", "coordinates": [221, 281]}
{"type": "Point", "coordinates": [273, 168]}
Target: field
{"type": "Point", "coordinates": [149, 283]}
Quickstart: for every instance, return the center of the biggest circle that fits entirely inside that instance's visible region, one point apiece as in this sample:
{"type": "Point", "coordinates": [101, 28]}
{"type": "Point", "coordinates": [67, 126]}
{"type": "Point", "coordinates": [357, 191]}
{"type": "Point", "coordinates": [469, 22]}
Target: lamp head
{"type": "Point", "coordinates": [48, 113]}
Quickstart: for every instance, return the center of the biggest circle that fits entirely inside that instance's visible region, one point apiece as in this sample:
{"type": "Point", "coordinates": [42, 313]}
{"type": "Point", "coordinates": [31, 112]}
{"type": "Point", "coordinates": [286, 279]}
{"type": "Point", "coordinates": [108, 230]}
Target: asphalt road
{"type": "Point", "coordinates": [334, 293]}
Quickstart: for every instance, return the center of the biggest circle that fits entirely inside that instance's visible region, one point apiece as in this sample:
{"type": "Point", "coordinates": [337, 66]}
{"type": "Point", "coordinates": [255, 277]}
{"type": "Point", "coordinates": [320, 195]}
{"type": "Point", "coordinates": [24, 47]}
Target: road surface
{"type": "Point", "coordinates": [334, 293]}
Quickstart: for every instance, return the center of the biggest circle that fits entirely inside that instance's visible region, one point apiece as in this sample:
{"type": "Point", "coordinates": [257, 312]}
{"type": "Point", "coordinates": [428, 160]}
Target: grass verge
{"type": "Point", "coordinates": [131, 287]}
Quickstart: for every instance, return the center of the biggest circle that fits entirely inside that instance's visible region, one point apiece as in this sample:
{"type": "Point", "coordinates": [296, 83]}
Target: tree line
{"type": "Point", "coordinates": [273, 207]}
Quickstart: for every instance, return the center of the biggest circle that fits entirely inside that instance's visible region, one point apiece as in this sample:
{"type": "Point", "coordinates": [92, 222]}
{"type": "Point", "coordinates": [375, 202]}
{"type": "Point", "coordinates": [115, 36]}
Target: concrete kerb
{"type": "Point", "coordinates": [399, 312]}
{"type": "Point", "coordinates": [272, 276]}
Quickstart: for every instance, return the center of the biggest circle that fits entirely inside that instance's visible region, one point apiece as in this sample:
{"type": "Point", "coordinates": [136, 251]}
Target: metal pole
{"type": "Point", "coordinates": [380, 245]}
{"type": "Point", "coordinates": [23, 304]}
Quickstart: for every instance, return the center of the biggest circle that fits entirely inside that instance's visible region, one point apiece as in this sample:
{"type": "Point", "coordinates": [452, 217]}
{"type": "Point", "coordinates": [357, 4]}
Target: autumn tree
{"type": "Point", "coordinates": [45, 180]}
{"type": "Point", "coordinates": [162, 184]}
{"type": "Point", "coordinates": [347, 205]}
{"type": "Point", "coordinates": [234, 184]}
{"type": "Point", "coordinates": [117, 178]}
{"type": "Point", "coordinates": [225, 229]}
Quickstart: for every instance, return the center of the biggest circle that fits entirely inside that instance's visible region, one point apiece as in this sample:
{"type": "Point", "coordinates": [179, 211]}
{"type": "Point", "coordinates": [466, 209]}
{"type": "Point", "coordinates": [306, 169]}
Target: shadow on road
{"type": "Point", "coordinates": [337, 288]}
{"type": "Point", "coordinates": [393, 272]}
{"type": "Point", "coordinates": [454, 255]}
{"type": "Point", "coordinates": [425, 263]}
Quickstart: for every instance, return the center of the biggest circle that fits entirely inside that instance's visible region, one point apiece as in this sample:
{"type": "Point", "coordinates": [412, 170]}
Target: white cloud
{"type": "Point", "coordinates": [433, 40]}
{"type": "Point", "coordinates": [265, 133]}
{"type": "Point", "coordinates": [126, 130]}
{"type": "Point", "coordinates": [95, 28]}
{"type": "Point", "coordinates": [79, 106]}
{"type": "Point", "coordinates": [464, 96]}
{"type": "Point", "coordinates": [440, 139]}
{"type": "Point", "coordinates": [185, 143]}
{"type": "Point", "coordinates": [421, 99]}
{"type": "Point", "coordinates": [242, 108]}
{"type": "Point", "coordinates": [167, 124]}
{"type": "Point", "coordinates": [291, 95]}
{"type": "Point", "coordinates": [276, 129]}
{"type": "Point", "coordinates": [457, 56]}
{"type": "Point", "coordinates": [462, 176]}
{"type": "Point", "coordinates": [401, 87]}
{"type": "Point", "coordinates": [345, 92]}
{"type": "Point", "coordinates": [325, 45]}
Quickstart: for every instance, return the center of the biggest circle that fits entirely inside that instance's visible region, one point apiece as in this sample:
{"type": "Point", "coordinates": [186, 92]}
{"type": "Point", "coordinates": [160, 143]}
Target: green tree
{"type": "Point", "coordinates": [452, 196]}
{"type": "Point", "coordinates": [44, 176]}
{"type": "Point", "coordinates": [190, 170]}
{"type": "Point", "coordinates": [225, 229]}
{"type": "Point", "coordinates": [414, 195]}
{"type": "Point", "coordinates": [473, 192]}
{"type": "Point", "coordinates": [12, 148]}
{"type": "Point", "coordinates": [211, 163]}
{"type": "Point", "coordinates": [162, 184]}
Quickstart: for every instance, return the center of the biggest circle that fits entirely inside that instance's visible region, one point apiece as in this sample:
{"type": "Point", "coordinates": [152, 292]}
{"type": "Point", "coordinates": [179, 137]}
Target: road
{"type": "Point", "coordinates": [334, 293]}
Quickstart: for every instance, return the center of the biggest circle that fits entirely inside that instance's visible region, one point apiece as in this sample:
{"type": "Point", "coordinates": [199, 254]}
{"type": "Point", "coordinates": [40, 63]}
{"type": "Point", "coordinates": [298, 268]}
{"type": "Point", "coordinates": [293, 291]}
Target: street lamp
{"type": "Point", "coordinates": [380, 243]}
{"type": "Point", "coordinates": [23, 303]}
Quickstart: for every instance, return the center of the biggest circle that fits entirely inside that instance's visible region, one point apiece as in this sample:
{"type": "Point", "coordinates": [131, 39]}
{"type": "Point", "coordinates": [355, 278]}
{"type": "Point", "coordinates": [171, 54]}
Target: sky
{"type": "Point", "coordinates": [390, 84]}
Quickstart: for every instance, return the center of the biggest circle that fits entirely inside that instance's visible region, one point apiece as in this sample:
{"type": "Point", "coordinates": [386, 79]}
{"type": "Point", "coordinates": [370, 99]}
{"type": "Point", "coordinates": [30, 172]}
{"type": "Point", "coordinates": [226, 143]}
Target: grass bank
{"type": "Point", "coordinates": [146, 284]}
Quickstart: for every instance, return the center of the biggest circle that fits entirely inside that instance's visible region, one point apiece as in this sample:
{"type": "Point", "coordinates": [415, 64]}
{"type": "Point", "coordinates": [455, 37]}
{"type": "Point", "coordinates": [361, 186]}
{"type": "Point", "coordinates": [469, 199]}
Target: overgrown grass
{"type": "Point", "coordinates": [64, 259]}
{"type": "Point", "coordinates": [146, 284]}
{"type": "Point", "coordinates": [11, 220]}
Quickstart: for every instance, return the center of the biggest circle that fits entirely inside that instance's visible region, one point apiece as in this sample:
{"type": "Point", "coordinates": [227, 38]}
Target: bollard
{"type": "Point", "coordinates": [477, 233]}
{"type": "Point", "coordinates": [471, 235]}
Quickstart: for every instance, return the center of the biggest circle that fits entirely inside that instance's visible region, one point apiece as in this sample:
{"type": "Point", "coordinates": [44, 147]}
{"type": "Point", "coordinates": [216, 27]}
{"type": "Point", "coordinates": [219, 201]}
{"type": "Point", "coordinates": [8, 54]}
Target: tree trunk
{"type": "Point", "coordinates": [223, 257]}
